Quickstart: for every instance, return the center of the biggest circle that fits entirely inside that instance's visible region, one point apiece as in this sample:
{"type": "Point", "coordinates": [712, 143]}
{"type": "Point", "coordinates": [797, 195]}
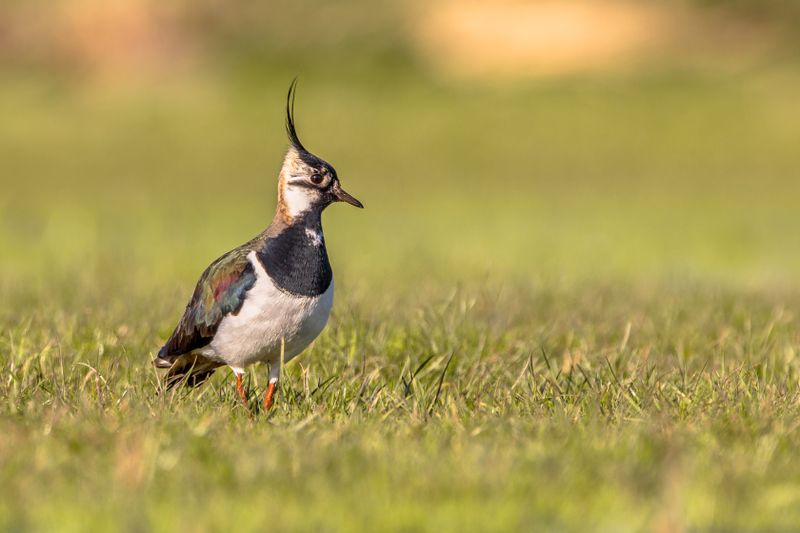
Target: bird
{"type": "Point", "coordinates": [268, 299]}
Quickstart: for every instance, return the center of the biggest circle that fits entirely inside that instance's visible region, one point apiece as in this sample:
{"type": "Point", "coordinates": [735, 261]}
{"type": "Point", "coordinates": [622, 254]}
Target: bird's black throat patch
{"type": "Point", "coordinates": [296, 258]}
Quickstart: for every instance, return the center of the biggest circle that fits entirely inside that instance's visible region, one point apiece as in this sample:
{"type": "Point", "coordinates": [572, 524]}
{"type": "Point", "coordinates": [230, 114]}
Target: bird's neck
{"type": "Point", "coordinates": [310, 219]}
{"type": "Point", "coordinates": [294, 255]}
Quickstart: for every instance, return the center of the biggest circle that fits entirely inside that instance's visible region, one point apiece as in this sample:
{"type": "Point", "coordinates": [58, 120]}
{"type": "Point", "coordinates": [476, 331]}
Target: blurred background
{"type": "Point", "coordinates": [507, 143]}
{"type": "Point", "coordinates": [609, 185]}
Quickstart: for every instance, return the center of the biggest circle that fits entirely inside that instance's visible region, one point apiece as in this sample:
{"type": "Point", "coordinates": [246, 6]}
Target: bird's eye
{"type": "Point", "coordinates": [316, 179]}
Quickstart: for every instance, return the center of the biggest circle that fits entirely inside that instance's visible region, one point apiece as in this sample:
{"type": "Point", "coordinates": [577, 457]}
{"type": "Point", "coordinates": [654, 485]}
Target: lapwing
{"type": "Point", "coordinates": [266, 300]}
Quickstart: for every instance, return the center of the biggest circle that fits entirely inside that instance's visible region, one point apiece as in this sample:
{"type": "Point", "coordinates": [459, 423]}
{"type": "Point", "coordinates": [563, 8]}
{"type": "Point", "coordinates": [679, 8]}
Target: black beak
{"type": "Point", "coordinates": [343, 196]}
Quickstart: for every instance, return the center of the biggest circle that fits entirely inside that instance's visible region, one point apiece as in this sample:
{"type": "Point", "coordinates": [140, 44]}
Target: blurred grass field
{"type": "Point", "coordinates": [569, 305]}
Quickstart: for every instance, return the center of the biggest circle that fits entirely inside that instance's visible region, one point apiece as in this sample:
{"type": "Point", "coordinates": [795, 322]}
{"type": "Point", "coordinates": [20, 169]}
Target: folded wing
{"type": "Point", "coordinates": [221, 291]}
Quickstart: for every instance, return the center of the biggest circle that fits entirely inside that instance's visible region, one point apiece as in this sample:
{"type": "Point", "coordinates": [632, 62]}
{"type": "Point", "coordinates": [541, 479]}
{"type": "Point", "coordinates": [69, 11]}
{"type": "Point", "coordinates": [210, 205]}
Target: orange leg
{"type": "Point", "coordinates": [269, 397]}
{"type": "Point", "coordinates": [240, 389]}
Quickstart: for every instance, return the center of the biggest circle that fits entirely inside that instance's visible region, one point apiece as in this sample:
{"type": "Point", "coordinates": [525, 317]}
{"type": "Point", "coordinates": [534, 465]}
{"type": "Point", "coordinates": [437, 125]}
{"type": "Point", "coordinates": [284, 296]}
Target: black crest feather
{"type": "Point", "coordinates": [290, 129]}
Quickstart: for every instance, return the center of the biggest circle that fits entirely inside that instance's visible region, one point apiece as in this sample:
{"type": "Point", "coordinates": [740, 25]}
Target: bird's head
{"type": "Point", "coordinates": [307, 183]}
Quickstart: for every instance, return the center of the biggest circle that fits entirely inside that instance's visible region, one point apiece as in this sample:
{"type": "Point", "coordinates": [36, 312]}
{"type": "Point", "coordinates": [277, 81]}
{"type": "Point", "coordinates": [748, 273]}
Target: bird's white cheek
{"type": "Point", "coordinates": [297, 200]}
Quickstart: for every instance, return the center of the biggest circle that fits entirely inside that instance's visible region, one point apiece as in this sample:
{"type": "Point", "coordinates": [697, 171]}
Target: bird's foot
{"type": "Point", "coordinates": [269, 396]}
{"type": "Point", "coordinates": [242, 393]}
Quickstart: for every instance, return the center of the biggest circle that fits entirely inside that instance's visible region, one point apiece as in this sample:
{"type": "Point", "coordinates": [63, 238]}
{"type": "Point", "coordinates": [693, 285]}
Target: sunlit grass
{"type": "Point", "coordinates": [612, 407]}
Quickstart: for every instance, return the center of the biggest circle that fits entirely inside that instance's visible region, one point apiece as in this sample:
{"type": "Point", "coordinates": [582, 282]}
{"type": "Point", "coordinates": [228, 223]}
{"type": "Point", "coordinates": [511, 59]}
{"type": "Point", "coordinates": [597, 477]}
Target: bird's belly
{"type": "Point", "coordinates": [267, 316]}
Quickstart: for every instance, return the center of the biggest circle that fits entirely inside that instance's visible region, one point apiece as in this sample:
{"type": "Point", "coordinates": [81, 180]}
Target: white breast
{"type": "Point", "coordinates": [267, 315]}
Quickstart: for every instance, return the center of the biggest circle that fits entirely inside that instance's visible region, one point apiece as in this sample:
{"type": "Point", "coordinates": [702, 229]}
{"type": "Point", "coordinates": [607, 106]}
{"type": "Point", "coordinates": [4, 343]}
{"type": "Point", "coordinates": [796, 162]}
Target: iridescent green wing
{"type": "Point", "coordinates": [221, 291]}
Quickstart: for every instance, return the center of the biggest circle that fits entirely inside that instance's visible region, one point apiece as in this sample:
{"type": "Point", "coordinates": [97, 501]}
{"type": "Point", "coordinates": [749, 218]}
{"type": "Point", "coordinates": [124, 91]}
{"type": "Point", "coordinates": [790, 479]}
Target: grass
{"type": "Point", "coordinates": [567, 307]}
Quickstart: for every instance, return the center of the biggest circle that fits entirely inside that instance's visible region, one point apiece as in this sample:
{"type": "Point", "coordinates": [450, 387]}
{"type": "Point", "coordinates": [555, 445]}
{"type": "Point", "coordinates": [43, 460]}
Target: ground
{"type": "Point", "coordinates": [568, 306]}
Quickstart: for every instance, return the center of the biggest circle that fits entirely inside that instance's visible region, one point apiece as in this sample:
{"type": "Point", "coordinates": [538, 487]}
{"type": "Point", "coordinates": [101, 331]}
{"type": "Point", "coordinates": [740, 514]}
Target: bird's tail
{"type": "Point", "coordinates": [189, 370]}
